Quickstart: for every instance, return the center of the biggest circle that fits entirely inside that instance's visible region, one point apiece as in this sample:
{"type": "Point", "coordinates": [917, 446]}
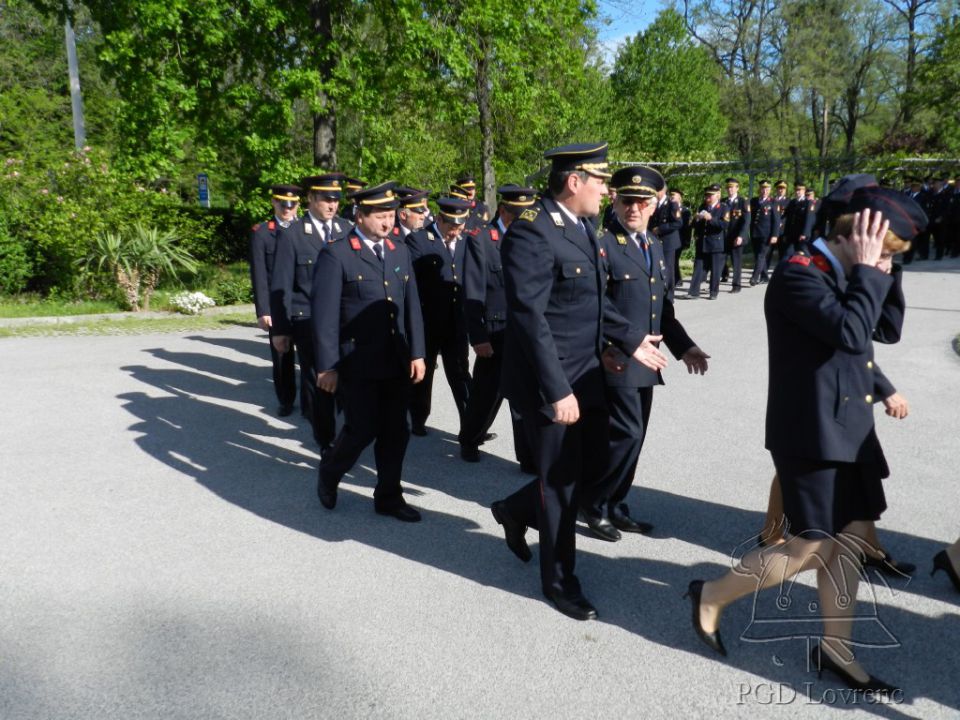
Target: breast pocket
{"type": "Point", "coordinates": [572, 281]}
{"type": "Point", "coordinates": [304, 271]}
{"type": "Point", "coordinates": [359, 286]}
{"type": "Point", "coordinates": [495, 276]}
{"type": "Point", "coordinates": [623, 284]}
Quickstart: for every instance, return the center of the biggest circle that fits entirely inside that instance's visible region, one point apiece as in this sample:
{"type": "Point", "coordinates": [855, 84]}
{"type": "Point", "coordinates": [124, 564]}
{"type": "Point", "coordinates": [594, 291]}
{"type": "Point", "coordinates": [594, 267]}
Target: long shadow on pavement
{"type": "Point", "coordinates": [239, 455]}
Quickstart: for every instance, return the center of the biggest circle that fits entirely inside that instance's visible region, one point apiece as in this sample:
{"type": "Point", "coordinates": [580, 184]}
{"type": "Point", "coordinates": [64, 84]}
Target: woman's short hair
{"type": "Point", "coordinates": [843, 226]}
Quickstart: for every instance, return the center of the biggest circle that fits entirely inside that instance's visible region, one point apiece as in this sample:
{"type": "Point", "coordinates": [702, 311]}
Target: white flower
{"type": "Point", "coordinates": [191, 303]}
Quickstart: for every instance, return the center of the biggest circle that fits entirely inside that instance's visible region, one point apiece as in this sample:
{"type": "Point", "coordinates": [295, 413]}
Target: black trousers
{"type": "Point", "coordinates": [919, 248]}
{"type": "Point", "coordinates": [485, 400]}
{"type": "Point", "coordinates": [284, 379]}
{"type": "Point", "coordinates": [714, 261]}
{"type": "Point", "coordinates": [629, 419]}
{"type": "Point", "coordinates": [571, 459]}
{"type": "Point", "coordinates": [762, 260]}
{"type": "Point", "coordinates": [452, 346]}
{"type": "Point", "coordinates": [373, 411]}
{"type": "Point", "coordinates": [315, 405]}
{"type": "Point", "coordinates": [670, 265]}
{"type": "Point", "coordinates": [736, 259]}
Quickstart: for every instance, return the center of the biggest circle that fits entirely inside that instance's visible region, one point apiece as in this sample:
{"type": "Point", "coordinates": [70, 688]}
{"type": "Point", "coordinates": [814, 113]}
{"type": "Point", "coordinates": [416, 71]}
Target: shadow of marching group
{"type": "Point", "coordinates": [203, 427]}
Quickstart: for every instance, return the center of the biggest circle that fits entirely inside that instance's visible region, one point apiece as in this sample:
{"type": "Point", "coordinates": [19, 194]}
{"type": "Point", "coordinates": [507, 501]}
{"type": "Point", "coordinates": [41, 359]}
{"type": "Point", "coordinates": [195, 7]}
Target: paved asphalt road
{"type": "Point", "coordinates": [163, 553]}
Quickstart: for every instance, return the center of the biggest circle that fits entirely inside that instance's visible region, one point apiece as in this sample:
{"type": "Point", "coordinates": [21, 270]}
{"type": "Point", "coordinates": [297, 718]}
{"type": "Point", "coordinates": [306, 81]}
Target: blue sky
{"type": "Point", "coordinates": [628, 17]}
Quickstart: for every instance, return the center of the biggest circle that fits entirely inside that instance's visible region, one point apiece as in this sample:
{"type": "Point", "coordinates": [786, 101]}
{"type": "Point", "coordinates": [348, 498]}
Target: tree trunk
{"type": "Point", "coordinates": [824, 127]}
{"type": "Point", "coordinates": [325, 116]}
{"type": "Point", "coordinates": [486, 124]}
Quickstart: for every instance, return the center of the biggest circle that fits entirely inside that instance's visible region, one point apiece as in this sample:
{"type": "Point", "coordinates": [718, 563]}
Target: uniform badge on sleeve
{"type": "Point", "coordinates": [529, 215]}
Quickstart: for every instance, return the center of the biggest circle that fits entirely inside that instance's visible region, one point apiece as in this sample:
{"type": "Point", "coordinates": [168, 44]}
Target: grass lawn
{"type": "Point", "coordinates": [32, 305]}
{"type": "Point", "coordinates": [134, 325]}
{"type": "Point", "coordinates": [227, 284]}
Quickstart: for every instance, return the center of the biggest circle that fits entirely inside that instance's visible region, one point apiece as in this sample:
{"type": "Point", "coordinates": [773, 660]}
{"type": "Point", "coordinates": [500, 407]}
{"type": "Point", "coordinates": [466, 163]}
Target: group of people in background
{"type": "Point", "coordinates": [567, 308]}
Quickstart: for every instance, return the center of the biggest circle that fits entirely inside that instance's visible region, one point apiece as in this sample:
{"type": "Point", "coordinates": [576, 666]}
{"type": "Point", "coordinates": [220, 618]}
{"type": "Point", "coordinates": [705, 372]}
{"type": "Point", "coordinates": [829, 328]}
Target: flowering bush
{"type": "Point", "coordinates": [191, 303]}
{"type": "Point", "coordinates": [54, 212]}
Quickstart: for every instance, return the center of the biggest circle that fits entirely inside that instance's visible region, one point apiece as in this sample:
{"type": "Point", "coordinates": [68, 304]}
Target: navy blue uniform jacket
{"type": "Point", "coordinates": [823, 379]}
{"type": "Point", "coordinates": [711, 234]}
{"type": "Point", "coordinates": [439, 278]}
{"type": "Point", "coordinates": [263, 248]}
{"type": "Point", "coordinates": [558, 312]}
{"type": "Point", "coordinates": [738, 211]}
{"type": "Point", "coordinates": [665, 224]}
{"type": "Point", "coordinates": [483, 284]}
{"type": "Point", "coordinates": [366, 315]}
{"type": "Point", "coordinates": [639, 295]}
{"type": "Point", "coordinates": [764, 220]}
{"type": "Point", "coordinates": [297, 248]}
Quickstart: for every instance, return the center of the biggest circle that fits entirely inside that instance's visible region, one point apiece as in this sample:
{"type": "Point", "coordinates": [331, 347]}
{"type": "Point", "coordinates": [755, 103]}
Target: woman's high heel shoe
{"type": "Point", "coordinates": [822, 661]}
{"type": "Point", "coordinates": [941, 561]}
{"type": "Point", "coordinates": [710, 638]}
{"type": "Point", "coordinates": [888, 566]}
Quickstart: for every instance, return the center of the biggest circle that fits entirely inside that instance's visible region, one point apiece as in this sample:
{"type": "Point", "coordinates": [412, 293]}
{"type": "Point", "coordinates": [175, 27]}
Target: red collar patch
{"type": "Point", "coordinates": [799, 260]}
{"type": "Point", "coordinates": [354, 242]}
{"type": "Point", "coordinates": [396, 230]}
{"type": "Point", "coordinates": [494, 234]}
{"type": "Point", "coordinates": [821, 262]}
{"type": "Point", "coordinates": [390, 245]}
{"type": "Point", "coordinates": [271, 225]}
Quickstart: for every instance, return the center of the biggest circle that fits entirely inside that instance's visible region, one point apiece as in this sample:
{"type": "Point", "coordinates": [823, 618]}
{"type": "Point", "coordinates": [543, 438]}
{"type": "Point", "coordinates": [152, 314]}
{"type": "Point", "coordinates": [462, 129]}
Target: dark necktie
{"type": "Point", "coordinates": [378, 251]}
{"type": "Point", "coordinates": [325, 232]}
{"type": "Point", "coordinates": [646, 250]}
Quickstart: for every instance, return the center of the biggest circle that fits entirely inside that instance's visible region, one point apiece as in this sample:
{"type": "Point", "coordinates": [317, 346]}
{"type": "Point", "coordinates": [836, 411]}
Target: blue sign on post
{"type": "Point", "coordinates": [203, 189]}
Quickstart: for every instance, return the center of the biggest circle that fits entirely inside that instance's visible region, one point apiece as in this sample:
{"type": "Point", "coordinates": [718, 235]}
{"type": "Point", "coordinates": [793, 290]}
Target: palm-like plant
{"type": "Point", "coordinates": [138, 260]}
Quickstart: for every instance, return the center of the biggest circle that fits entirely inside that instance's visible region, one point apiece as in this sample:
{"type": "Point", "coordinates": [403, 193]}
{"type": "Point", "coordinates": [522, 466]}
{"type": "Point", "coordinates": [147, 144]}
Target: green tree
{"type": "Point", "coordinates": [665, 94]}
{"type": "Point", "coordinates": [938, 87]}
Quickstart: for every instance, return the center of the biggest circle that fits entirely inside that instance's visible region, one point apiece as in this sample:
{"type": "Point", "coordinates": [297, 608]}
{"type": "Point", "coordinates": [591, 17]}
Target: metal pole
{"type": "Point", "coordinates": [76, 98]}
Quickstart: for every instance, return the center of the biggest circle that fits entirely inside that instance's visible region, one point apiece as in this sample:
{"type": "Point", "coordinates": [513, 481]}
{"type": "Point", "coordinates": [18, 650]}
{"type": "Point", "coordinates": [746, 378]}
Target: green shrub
{"type": "Point", "coordinates": [232, 291]}
{"type": "Point", "coordinates": [54, 215]}
{"type": "Point", "coordinates": [15, 265]}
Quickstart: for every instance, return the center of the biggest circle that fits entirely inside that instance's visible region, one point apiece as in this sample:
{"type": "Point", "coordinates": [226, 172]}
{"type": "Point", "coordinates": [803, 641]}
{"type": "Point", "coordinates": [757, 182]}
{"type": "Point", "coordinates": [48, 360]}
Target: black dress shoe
{"type": "Point", "coordinates": [601, 527]}
{"type": "Point", "coordinates": [822, 661]}
{"type": "Point", "coordinates": [469, 453]}
{"type": "Point", "coordinates": [419, 430]}
{"type": "Point", "coordinates": [512, 531]}
{"type": "Point", "coordinates": [573, 605]}
{"type": "Point", "coordinates": [327, 495]}
{"type": "Point", "coordinates": [712, 639]}
{"type": "Point", "coordinates": [621, 520]}
{"type": "Point", "coordinates": [487, 437]}
{"type": "Point", "coordinates": [399, 510]}
{"type": "Point", "coordinates": [735, 289]}
{"type": "Point", "coordinates": [284, 410]}
{"type": "Point", "coordinates": [888, 566]}
{"type": "Point", "coordinates": [713, 296]}
{"type": "Point", "coordinates": [941, 561]}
